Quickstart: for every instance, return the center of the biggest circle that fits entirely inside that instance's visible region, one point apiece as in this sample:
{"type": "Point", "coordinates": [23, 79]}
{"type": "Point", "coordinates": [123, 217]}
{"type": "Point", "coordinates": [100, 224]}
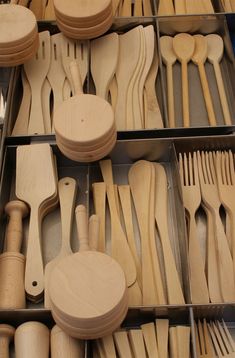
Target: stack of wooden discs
{"type": "Point", "coordinates": [82, 20]}
{"type": "Point", "coordinates": [19, 38]}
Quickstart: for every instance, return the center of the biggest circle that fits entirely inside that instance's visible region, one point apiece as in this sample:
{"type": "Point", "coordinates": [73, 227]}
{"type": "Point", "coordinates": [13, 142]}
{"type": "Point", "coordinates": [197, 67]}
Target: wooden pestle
{"type": "Point", "coordinates": [12, 262]}
{"type": "Point", "coordinates": [6, 334]}
{"type": "Point", "coordinates": [32, 340]}
{"type": "Point", "coordinates": [63, 346]}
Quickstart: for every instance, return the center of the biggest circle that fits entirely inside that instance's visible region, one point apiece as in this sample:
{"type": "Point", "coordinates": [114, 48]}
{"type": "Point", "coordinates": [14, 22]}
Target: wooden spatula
{"type": "Point", "coordinates": [180, 8]}
{"type": "Point", "coordinates": [99, 197]}
{"type": "Point", "coordinates": [150, 339]}
{"type": "Point", "coordinates": [137, 343]}
{"type": "Point", "coordinates": [67, 195]}
{"type": "Point", "coordinates": [162, 328]}
{"type": "Point", "coordinates": [108, 345]}
{"type": "Point", "coordinates": [35, 183]}
{"type": "Point", "coordinates": [122, 344]}
{"type": "Point", "coordinates": [165, 7]}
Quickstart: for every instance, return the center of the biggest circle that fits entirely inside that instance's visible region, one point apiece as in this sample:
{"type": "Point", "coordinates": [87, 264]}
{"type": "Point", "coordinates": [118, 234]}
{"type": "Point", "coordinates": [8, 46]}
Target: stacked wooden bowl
{"type": "Point", "coordinates": [83, 19]}
{"type": "Point", "coordinates": [19, 38]}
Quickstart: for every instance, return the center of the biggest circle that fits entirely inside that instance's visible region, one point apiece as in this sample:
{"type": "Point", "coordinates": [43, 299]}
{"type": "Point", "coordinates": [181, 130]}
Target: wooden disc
{"type": "Point", "coordinates": [93, 285]}
{"type": "Point", "coordinates": [29, 51]}
{"type": "Point", "coordinates": [21, 47]}
{"type": "Point", "coordinates": [84, 119]}
{"type": "Point", "coordinates": [17, 24]}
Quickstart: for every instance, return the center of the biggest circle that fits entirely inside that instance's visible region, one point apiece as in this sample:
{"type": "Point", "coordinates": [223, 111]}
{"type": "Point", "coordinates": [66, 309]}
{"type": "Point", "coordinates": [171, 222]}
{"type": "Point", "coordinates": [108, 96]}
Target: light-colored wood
{"type": "Point", "coordinates": [36, 70]}
{"type": "Point", "coordinates": [93, 232]}
{"type": "Point", "coordinates": [139, 177]}
{"type": "Point", "coordinates": [36, 7]}
{"type": "Point", "coordinates": [207, 4]}
{"type": "Point", "coordinates": [204, 340]}
{"type": "Point", "coordinates": [232, 2]}
{"type": "Point", "coordinates": [138, 8]}
{"type": "Point", "coordinates": [129, 47]}
{"type": "Point", "coordinates": [115, 4]}
{"type": "Point", "coordinates": [165, 7]}
{"type": "Point", "coordinates": [122, 344]}
{"type": "Point", "coordinates": [229, 336]}
{"type": "Point", "coordinates": [35, 183]}
{"type": "Point", "coordinates": [183, 341]}
{"type": "Point", "coordinates": [147, 9]}
{"type": "Point", "coordinates": [62, 345]}
{"type": "Point", "coordinates": [216, 345]}
{"type": "Point", "coordinates": [21, 123]}
{"type": "Point", "coordinates": [162, 328]}
{"type": "Point", "coordinates": [173, 342]}
{"type": "Point", "coordinates": [169, 59]}
{"type": "Point", "coordinates": [183, 45]}
{"type": "Point", "coordinates": [32, 339]}
{"type": "Point", "coordinates": [104, 59]}
{"type": "Point", "coordinates": [199, 57]}
{"type": "Point", "coordinates": [192, 200]}
{"type": "Point", "coordinates": [227, 6]}
{"type": "Point", "coordinates": [150, 339]}
{"type": "Point", "coordinates": [210, 197]}
{"type": "Point", "coordinates": [113, 92]}
{"type": "Point", "coordinates": [194, 7]}
{"type": "Point", "coordinates": [109, 347]}
{"type": "Point", "coordinates": [215, 49]}
{"type": "Point", "coordinates": [67, 194]}
{"type": "Point", "coordinates": [219, 339]}
{"type": "Point", "coordinates": [126, 8]}
{"type": "Point", "coordinates": [174, 289]}
{"type": "Point", "coordinates": [180, 8]}
{"type": "Point", "coordinates": [222, 332]}
{"type": "Point", "coordinates": [45, 93]}
{"type": "Point", "coordinates": [99, 198]}
{"type": "Point", "coordinates": [6, 335]}
{"type": "Point", "coordinates": [49, 11]}
{"type": "Point", "coordinates": [66, 90]}
{"type": "Point", "coordinates": [137, 343]}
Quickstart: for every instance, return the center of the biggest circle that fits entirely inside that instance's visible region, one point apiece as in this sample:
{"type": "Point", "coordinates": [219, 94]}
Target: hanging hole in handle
{"type": "Point", "coordinates": [34, 283]}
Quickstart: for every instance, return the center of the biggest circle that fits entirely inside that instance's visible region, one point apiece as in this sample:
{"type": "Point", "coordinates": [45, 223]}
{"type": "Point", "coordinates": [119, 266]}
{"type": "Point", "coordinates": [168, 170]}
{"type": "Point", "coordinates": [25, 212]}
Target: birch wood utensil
{"type": "Point", "coordinates": [199, 57]}
{"type": "Point", "coordinates": [208, 6]}
{"type": "Point", "coordinates": [203, 340]}
{"type": "Point", "coordinates": [162, 329]}
{"type": "Point", "coordinates": [49, 11]}
{"type": "Point", "coordinates": [67, 194]}
{"type": "Point", "coordinates": [173, 342]}
{"type": "Point", "coordinates": [169, 59]}
{"type": "Point", "coordinates": [104, 59]}
{"type": "Point", "coordinates": [138, 8]}
{"type": "Point", "coordinates": [109, 347]}
{"type": "Point", "coordinates": [37, 8]}
{"type": "Point", "coordinates": [147, 9]}
{"type": "Point", "coordinates": [150, 339]}
{"type": "Point", "coordinates": [137, 343]}
{"type": "Point", "coordinates": [165, 7]}
{"type": "Point", "coordinates": [46, 110]}
{"type": "Point", "coordinates": [32, 340]}
{"type": "Point", "coordinates": [35, 184]}
{"type": "Point", "coordinates": [180, 7]}
{"type": "Point", "coordinates": [183, 45]}
{"type": "Point", "coordinates": [62, 345]}
{"type": "Point", "coordinates": [126, 8]}
{"type": "Point", "coordinates": [122, 344]}
{"type": "Point", "coordinates": [194, 7]}
{"type": "Point", "coordinates": [215, 49]}
{"type": "Point", "coordinates": [36, 70]}
{"type": "Point", "coordinates": [183, 341]}
{"type": "Point", "coordinates": [6, 335]}
{"type": "Point", "coordinates": [174, 290]}
{"type": "Point", "coordinates": [99, 197]}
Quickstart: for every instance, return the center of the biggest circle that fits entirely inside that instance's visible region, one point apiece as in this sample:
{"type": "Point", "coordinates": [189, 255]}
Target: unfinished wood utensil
{"type": "Point", "coordinates": [150, 339]}
{"type": "Point", "coordinates": [183, 341]}
{"type": "Point", "coordinates": [215, 49]}
{"type": "Point", "coordinates": [6, 335]}
{"type": "Point", "coordinates": [203, 340]}
{"type": "Point", "coordinates": [137, 343]}
{"type": "Point", "coordinates": [109, 347]}
{"type": "Point", "coordinates": [35, 183]}
{"type": "Point", "coordinates": [232, 2]}
{"type": "Point", "coordinates": [122, 344]}
{"type": "Point", "coordinates": [63, 346]}
{"type": "Point", "coordinates": [147, 9]}
{"type": "Point", "coordinates": [21, 123]}
{"type": "Point", "coordinates": [129, 47]}
{"type": "Point", "coordinates": [36, 70]}
{"type": "Point", "coordinates": [174, 289]}
{"type": "Point", "coordinates": [173, 346]}
{"type": "Point", "coordinates": [139, 177]}
{"type": "Point", "coordinates": [228, 334]}
{"type": "Point", "coordinates": [104, 59]}
{"type": "Point", "coordinates": [165, 7]}
{"type": "Point", "coordinates": [32, 339]}
{"type": "Point", "coordinates": [183, 45]}
{"type": "Point", "coordinates": [199, 57]}
{"type": "Point", "coordinates": [36, 7]}
{"type": "Point", "coordinates": [169, 59]}
{"type": "Point", "coordinates": [49, 11]}
{"type": "Point", "coordinates": [208, 6]}
{"type": "Point", "coordinates": [162, 329]}
{"type": "Point", "coordinates": [126, 8]}
{"type": "Point", "coordinates": [194, 7]}
{"type": "Point", "coordinates": [180, 8]}
{"type": "Point", "coordinates": [67, 194]}
{"type": "Point", "coordinates": [99, 197]}
{"type": "Point", "coordinates": [115, 4]}
{"type": "Point", "coordinates": [46, 106]}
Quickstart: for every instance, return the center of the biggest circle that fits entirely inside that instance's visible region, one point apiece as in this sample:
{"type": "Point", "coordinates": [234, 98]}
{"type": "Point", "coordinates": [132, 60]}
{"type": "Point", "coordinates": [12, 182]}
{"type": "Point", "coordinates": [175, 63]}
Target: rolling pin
{"type": "Point", "coordinates": [64, 346]}
{"type": "Point", "coordinates": [6, 335]}
{"type": "Point", "coordinates": [12, 262]}
{"type": "Point", "coordinates": [32, 340]}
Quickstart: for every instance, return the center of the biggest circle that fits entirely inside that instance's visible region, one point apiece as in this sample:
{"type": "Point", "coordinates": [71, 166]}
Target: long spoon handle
{"type": "Point", "coordinates": [223, 98]}
{"type": "Point", "coordinates": [185, 93]}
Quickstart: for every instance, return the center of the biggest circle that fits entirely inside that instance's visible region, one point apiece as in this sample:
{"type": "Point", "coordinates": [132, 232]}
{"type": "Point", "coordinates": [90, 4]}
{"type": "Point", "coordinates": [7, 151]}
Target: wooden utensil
{"type": "Point", "coordinates": [174, 289]}
{"type": "Point", "coordinates": [122, 344]}
{"type": "Point", "coordinates": [46, 106]}
{"type": "Point", "coordinates": [104, 59]}
{"type": "Point", "coordinates": [180, 7]}
{"type": "Point", "coordinates": [126, 8]}
{"type": "Point", "coordinates": [36, 70]}
{"type": "Point", "coordinates": [165, 7]}
{"type": "Point", "coordinates": [183, 341]}
{"type": "Point", "coordinates": [6, 335]}
{"type": "Point", "coordinates": [150, 339]}
{"type": "Point", "coordinates": [147, 9]}
{"type": "Point", "coordinates": [162, 329]}
{"type": "Point", "coordinates": [169, 59]}
{"type": "Point", "coordinates": [109, 347]}
{"type": "Point", "coordinates": [173, 342]}
{"type": "Point", "coordinates": [115, 4]}
{"type": "Point", "coordinates": [99, 197]}
{"type": "Point", "coordinates": [36, 7]}
{"type": "Point", "coordinates": [32, 340]}
{"type": "Point", "coordinates": [137, 343]}
{"type": "Point", "coordinates": [35, 183]}
{"type": "Point", "coordinates": [199, 57]}
{"type": "Point", "coordinates": [67, 195]}
{"type": "Point", "coordinates": [183, 45]}
{"type": "Point", "coordinates": [63, 346]}
{"type": "Point", "coordinates": [232, 5]}
{"type": "Point", "coordinates": [194, 7]}
{"type": "Point", "coordinates": [49, 11]}
{"type": "Point", "coordinates": [203, 340]}
{"type": "Point", "coordinates": [215, 49]}
{"type": "Point", "coordinates": [208, 6]}
{"type": "Point", "coordinates": [228, 334]}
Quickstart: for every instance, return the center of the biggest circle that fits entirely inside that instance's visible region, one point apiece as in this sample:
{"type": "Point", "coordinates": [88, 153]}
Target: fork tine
{"type": "Point", "coordinates": [195, 169]}
{"type": "Point", "coordinates": [209, 166]}
{"type": "Point", "coordinates": [232, 169]}
{"type": "Point", "coordinates": [205, 167]}
{"type": "Point", "coordinates": [201, 338]}
{"type": "Point", "coordinates": [230, 338]}
{"type": "Point", "coordinates": [197, 340]}
{"type": "Point", "coordinates": [186, 177]}
{"type": "Point", "coordinates": [227, 168]}
{"type": "Point", "coordinates": [200, 169]}
{"type": "Point", "coordinates": [224, 337]}
{"type": "Point", "coordinates": [208, 342]}
{"type": "Point", "coordinates": [219, 339]}
{"type": "Point", "coordinates": [214, 340]}
{"type": "Point", "coordinates": [181, 171]}
{"type": "Point", "coordinates": [190, 169]}
{"type": "Point", "coordinates": [222, 164]}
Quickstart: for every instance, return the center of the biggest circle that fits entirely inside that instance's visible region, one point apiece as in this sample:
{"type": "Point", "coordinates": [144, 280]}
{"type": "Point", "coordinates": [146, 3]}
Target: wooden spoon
{"type": "Point", "coordinates": [169, 58]}
{"type": "Point", "coordinates": [199, 57]}
{"type": "Point", "coordinates": [183, 45]}
{"type": "Point", "coordinates": [6, 335]}
{"type": "Point", "coordinates": [215, 49]}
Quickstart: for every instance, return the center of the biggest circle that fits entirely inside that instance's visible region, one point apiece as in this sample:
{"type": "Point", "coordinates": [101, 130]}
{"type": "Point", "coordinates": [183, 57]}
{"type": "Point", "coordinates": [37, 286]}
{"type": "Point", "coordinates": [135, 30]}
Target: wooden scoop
{"type": "Point", "coordinates": [215, 50]}
{"type": "Point", "coordinates": [6, 335]}
{"type": "Point", "coordinates": [199, 57]}
{"type": "Point", "coordinates": [183, 45]}
{"type": "Point", "coordinates": [67, 195]}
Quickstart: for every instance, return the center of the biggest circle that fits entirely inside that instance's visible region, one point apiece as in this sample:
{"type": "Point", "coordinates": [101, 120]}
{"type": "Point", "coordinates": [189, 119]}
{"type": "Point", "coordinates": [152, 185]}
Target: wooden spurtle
{"type": "Point", "coordinates": [137, 343]}
{"type": "Point", "coordinates": [199, 57]}
{"type": "Point", "coordinates": [67, 195]}
{"type": "Point", "coordinates": [62, 345]}
{"type": "Point", "coordinates": [150, 339]}
{"type": "Point", "coordinates": [6, 335]}
{"type": "Point", "coordinates": [122, 344]}
{"type": "Point", "coordinates": [183, 45]}
{"type": "Point", "coordinates": [162, 329]}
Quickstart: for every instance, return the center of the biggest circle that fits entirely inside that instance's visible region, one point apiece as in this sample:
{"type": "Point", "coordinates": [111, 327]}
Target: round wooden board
{"type": "Point", "coordinates": [17, 24]}
{"type": "Point", "coordinates": [29, 51]}
{"type": "Point", "coordinates": [93, 285]}
{"type": "Point", "coordinates": [20, 47]}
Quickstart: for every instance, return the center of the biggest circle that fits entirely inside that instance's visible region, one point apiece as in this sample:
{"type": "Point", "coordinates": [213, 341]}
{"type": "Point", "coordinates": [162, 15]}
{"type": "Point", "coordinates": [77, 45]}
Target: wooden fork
{"type": "Point", "coordinates": [203, 341]}
{"type": "Point", "coordinates": [210, 197]}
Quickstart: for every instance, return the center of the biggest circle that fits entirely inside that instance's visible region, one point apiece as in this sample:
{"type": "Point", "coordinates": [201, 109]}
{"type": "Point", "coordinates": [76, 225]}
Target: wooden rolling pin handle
{"type": "Point", "coordinates": [76, 77]}
{"type": "Point", "coordinates": [82, 227]}
{"type": "Point", "coordinates": [16, 210]}
{"type": "Point", "coordinates": [6, 334]}
{"type": "Point", "coordinates": [94, 225]}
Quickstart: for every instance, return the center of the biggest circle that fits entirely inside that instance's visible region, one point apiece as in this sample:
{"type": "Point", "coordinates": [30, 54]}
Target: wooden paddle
{"type": "Point", "coordinates": [180, 8]}
{"type": "Point", "coordinates": [137, 343]}
{"type": "Point", "coordinates": [165, 7]}
{"type": "Point", "coordinates": [162, 328]}
{"type": "Point", "coordinates": [62, 345]}
{"type": "Point", "coordinates": [122, 344]}
{"type": "Point", "coordinates": [108, 345]}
